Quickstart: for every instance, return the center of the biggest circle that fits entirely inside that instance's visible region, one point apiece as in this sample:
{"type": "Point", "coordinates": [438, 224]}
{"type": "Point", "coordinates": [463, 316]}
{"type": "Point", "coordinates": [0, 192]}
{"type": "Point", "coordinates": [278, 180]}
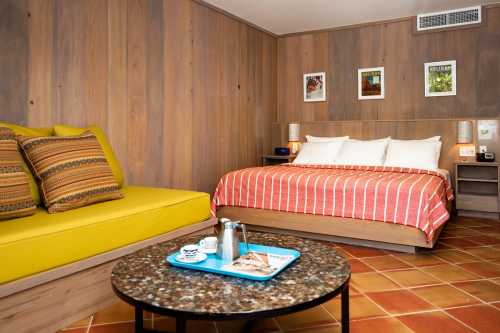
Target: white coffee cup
{"type": "Point", "coordinates": [209, 243]}
{"type": "Point", "coordinates": [190, 250]}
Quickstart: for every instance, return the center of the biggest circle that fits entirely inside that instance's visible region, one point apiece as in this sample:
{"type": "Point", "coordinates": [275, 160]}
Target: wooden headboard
{"type": "Point", "coordinates": [397, 129]}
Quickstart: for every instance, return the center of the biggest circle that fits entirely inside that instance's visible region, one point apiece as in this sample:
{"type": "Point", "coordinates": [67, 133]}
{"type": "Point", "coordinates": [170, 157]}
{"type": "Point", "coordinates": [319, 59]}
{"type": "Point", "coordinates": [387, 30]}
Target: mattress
{"type": "Point", "coordinates": [43, 241]}
{"type": "Point", "coordinates": [411, 197]}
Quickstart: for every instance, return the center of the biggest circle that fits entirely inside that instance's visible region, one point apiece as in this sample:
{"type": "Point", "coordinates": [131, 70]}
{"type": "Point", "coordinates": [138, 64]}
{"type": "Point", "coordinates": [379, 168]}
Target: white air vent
{"type": "Point", "coordinates": [449, 18]}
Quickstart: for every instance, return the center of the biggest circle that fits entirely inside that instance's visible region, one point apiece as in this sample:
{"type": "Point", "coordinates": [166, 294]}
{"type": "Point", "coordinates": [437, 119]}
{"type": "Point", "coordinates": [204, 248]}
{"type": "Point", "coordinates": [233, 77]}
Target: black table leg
{"type": "Point", "coordinates": [249, 325]}
{"type": "Point", "coordinates": [139, 322]}
{"type": "Point", "coordinates": [180, 325]}
{"type": "Point", "coordinates": [345, 309]}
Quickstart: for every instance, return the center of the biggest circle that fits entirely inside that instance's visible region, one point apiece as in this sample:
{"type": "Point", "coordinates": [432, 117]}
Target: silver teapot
{"type": "Point", "coordinates": [228, 243]}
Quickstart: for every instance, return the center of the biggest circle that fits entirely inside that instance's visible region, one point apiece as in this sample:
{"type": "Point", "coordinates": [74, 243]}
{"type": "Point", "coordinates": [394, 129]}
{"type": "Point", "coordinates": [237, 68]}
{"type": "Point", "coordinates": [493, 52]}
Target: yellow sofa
{"type": "Point", "coordinates": [44, 241]}
{"type": "Point", "coordinates": [56, 268]}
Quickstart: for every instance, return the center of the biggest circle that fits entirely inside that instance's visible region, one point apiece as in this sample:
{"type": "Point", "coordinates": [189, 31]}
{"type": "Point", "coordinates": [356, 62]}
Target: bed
{"type": "Point", "coordinates": [395, 208]}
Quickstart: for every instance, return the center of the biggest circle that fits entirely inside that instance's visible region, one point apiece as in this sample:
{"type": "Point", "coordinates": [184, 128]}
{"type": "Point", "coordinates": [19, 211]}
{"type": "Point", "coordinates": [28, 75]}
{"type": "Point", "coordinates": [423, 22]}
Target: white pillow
{"type": "Point", "coordinates": [431, 139]}
{"type": "Point", "coordinates": [359, 152]}
{"type": "Point", "coordinates": [418, 154]}
{"type": "Point", "coordinates": [323, 153]}
{"type": "Point", "coordinates": [311, 138]}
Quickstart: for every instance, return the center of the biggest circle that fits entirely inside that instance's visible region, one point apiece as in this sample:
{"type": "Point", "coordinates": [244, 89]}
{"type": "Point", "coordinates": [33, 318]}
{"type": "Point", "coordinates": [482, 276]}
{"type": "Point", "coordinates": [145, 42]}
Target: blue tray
{"type": "Point", "coordinates": [215, 265]}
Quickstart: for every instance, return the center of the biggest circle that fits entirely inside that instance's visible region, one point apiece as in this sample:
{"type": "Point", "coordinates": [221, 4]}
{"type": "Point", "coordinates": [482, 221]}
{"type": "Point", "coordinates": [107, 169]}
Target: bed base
{"type": "Point", "coordinates": [52, 300]}
{"type": "Point", "coordinates": [389, 236]}
{"type": "Point", "coordinates": [338, 239]}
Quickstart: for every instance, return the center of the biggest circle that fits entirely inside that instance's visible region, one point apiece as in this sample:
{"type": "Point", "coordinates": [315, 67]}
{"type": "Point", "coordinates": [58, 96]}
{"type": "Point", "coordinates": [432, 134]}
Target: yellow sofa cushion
{"type": "Point", "coordinates": [26, 131]}
{"type": "Point", "coordinates": [43, 241]}
{"type": "Point", "coordinates": [63, 130]}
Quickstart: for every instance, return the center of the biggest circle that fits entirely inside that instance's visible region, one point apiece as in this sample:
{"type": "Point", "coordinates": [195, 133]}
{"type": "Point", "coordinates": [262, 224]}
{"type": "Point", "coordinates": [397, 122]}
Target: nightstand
{"type": "Point", "coordinates": [477, 189]}
{"type": "Point", "coordinates": [277, 159]}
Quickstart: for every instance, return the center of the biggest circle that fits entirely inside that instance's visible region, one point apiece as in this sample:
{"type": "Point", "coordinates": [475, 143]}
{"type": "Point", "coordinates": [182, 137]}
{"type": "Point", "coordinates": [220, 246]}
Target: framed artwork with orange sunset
{"type": "Point", "coordinates": [371, 83]}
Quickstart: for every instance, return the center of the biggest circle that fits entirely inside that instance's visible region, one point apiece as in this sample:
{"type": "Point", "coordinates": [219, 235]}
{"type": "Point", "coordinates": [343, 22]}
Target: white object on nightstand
{"type": "Point", "coordinates": [467, 151]}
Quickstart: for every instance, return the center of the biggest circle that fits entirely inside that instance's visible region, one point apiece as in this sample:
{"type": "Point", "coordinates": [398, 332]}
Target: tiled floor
{"type": "Point", "coordinates": [453, 288]}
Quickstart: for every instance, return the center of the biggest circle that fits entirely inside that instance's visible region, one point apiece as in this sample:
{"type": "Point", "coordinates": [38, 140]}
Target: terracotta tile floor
{"type": "Point", "coordinates": [453, 288]}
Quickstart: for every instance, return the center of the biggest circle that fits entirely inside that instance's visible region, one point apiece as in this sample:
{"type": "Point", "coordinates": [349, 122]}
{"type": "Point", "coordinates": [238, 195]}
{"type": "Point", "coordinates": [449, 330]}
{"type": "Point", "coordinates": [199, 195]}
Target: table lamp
{"type": "Point", "coordinates": [294, 137]}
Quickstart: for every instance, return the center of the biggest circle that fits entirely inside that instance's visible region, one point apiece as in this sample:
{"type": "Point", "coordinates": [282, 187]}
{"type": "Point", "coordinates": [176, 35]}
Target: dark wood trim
{"type": "Point", "coordinates": [234, 17]}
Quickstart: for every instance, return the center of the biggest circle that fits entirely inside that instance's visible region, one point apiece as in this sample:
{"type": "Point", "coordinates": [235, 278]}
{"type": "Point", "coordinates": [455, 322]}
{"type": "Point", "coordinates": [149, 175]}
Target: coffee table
{"type": "Point", "coordinates": [145, 280]}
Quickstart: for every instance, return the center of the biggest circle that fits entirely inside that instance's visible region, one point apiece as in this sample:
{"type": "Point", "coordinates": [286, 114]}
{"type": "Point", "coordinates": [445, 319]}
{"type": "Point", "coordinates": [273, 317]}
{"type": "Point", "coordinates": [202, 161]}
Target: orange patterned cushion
{"type": "Point", "coordinates": [72, 171]}
{"type": "Point", "coordinates": [15, 194]}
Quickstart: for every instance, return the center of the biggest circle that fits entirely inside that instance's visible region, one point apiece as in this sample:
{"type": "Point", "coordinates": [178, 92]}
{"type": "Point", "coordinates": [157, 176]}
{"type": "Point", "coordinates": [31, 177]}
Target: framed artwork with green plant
{"type": "Point", "coordinates": [440, 78]}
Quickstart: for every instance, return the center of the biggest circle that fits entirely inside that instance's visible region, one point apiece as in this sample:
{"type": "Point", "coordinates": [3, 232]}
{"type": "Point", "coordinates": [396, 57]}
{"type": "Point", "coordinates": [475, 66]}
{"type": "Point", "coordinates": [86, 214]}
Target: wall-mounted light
{"type": "Point", "coordinates": [294, 137]}
{"type": "Point", "coordinates": [465, 139]}
{"type": "Point", "coordinates": [464, 132]}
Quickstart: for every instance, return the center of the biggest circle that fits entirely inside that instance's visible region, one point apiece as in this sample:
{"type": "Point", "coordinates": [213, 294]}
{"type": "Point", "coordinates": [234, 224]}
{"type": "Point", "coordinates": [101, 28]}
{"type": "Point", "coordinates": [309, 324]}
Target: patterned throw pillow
{"type": "Point", "coordinates": [15, 194]}
{"type": "Point", "coordinates": [72, 171]}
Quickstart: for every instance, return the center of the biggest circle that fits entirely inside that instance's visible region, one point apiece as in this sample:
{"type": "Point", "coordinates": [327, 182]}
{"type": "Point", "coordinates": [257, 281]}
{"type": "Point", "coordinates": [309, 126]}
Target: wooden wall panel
{"type": "Point", "coordinates": [185, 93]}
{"type": "Point", "coordinates": [205, 101]}
{"type": "Point", "coordinates": [489, 70]}
{"type": "Point", "coordinates": [266, 95]}
{"type": "Point", "coordinates": [40, 64]}
{"type": "Point", "coordinates": [70, 33]}
{"type": "Point", "coordinates": [137, 29]}
{"type": "Point", "coordinates": [246, 89]}
{"type": "Point", "coordinates": [96, 63]}
{"type": "Point", "coordinates": [178, 94]}
{"type": "Point", "coordinates": [13, 60]}
{"type": "Point", "coordinates": [342, 92]}
{"type": "Point", "coordinates": [155, 88]}
{"type": "Point", "coordinates": [117, 97]}
{"type": "Point", "coordinates": [403, 54]}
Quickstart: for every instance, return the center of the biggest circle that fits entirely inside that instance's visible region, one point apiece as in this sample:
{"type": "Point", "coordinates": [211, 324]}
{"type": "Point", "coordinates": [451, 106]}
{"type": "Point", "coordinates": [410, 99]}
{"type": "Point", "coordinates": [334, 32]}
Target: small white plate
{"type": "Point", "coordinates": [207, 251]}
{"type": "Point", "coordinates": [199, 258]}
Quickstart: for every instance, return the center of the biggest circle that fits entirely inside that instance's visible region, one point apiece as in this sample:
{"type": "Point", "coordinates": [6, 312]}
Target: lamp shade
{"type": "Point", "coordinates": [464, 131]}
{"type": "Point", "coordinates": [293, 132]}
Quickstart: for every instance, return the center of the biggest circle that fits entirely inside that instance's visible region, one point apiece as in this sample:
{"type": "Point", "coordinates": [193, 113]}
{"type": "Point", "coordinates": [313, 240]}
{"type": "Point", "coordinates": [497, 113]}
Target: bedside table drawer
{"type": "Point", "coordinates": [480, 203]}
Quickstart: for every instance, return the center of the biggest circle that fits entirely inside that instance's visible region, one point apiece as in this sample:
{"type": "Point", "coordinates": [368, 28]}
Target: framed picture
{"type": "Point", "coordinates": [371, 83]}
{"type": "Point", "coordinates": [440, 78]}
{"type": "Point", "coordinates": [315, 87]}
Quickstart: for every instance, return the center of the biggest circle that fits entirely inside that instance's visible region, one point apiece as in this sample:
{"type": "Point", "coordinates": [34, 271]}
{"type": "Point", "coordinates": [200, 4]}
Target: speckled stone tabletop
{"type": "Point", "coordinates": [146, 277]}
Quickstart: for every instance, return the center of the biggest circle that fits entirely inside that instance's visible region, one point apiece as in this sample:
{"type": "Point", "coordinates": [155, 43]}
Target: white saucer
{"type": "Point", "coordinates": [209, 251]}
{"type": "Point", "coordinates": [199, 258]}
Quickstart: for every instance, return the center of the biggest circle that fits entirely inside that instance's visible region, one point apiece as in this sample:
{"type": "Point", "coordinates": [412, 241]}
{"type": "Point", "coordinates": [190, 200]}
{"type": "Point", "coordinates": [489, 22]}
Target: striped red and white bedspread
{"type": "Point", "coordinates": [405, 196]}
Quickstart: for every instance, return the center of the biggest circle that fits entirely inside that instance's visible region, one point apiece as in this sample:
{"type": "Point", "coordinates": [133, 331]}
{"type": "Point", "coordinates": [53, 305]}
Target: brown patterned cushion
{"type": "Point", "coordinates": [72, 171]}
{"type": "Point", "coordinates": [15, 194]}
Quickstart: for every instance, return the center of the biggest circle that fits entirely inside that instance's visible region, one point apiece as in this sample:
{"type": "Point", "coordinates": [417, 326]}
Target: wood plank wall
{"type": "Point", "coordinates": [184, 93]}
{"type": "Point", "coordinates": [403, 53]}
{"type": "Point", "coordinates": [404, 113]}
{"type": "Point", "coordinates": [13, 60]}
